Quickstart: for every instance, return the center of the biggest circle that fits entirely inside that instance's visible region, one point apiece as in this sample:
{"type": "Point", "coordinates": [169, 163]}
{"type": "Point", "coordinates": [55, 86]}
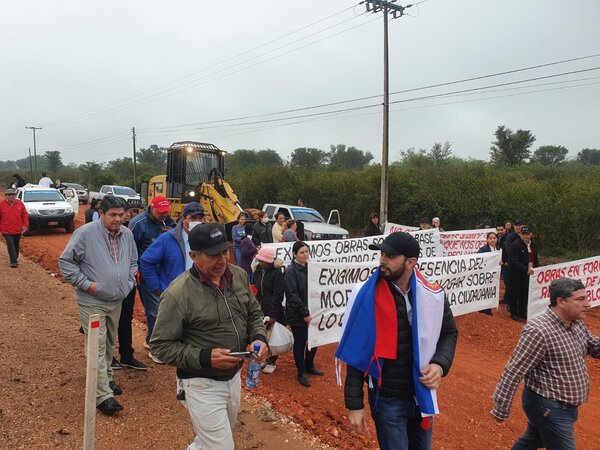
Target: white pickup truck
{"type": "Point", "coordinates": [132, 197]}
{"type": "Point", "coordinates": [315, 226]}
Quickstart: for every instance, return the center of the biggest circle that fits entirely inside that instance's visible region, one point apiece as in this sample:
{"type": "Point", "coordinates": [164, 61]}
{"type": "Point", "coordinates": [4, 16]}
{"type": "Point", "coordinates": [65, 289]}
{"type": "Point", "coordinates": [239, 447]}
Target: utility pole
{"type": "Point", "coordinates": [387, 7]}
{"type": "Point", "coordinates": [34, 152]}
{"type": "Point", "coordinates": [134, 162]}
{"type": "Point", "coordinates": [30, 166]}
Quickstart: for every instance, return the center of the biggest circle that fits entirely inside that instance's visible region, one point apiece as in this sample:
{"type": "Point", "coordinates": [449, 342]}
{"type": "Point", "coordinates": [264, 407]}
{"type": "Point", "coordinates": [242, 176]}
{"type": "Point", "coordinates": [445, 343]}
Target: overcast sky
{"type": "Point", "coordinates": [87, 72]}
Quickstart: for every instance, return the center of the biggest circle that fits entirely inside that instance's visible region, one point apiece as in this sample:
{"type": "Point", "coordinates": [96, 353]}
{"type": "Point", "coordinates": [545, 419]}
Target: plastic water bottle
{"type": "Point", "coordinates": [253, 374]}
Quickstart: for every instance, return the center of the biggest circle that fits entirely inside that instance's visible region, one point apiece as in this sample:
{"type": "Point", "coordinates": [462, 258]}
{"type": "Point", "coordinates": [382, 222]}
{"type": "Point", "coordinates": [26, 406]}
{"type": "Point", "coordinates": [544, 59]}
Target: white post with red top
{"type": "Point", "coordinates": [91, 381]}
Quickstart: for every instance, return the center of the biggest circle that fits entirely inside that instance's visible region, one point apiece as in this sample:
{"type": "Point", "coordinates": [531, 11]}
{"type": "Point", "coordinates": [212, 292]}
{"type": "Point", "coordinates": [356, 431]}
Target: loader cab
{"type": "Point", "coordinates": [189, 165]}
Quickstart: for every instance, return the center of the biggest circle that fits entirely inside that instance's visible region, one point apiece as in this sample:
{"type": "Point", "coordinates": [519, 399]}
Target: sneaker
{"type": "Point", "coordinates": [13, 265]}
{"type": "Point", "coordinates": [146, 345]}
{"type": "Point", "coordinates": [133, 363]}
{"type": "Point", "coordinates": [269, 368]}
{"type": "Point", "coordinates": [116, 365]}
{"type": "Point", "coordinates": [154, 358]}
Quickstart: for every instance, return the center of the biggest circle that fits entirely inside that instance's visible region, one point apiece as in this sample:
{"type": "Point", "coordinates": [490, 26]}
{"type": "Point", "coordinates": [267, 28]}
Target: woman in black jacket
{"type": "Point", "coordinates": [262, 232]}
{"type": "Point", "coordinates": [372, 228]}
{"type": "Point", "coordinates": [268, 281]}
{"type": "Point", "coordinates": [297, 314]}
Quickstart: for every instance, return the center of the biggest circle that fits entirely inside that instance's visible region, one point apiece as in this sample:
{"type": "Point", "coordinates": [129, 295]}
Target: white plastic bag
{"type": "Point", "coordinates": [281, 340]}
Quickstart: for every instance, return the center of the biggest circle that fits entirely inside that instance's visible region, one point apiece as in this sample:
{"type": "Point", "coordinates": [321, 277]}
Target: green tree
{"type": "Point", "coordinates": [412, 157]}
{"type": "Point", "coordinates": [440, 153]}
{"type": "Point", "coordinates": [153, 156]}
{"type": "Point", "coordinates": [589, 156]}
{"type": "Point", "coordinates": [511, 148]}
{"type": "Point", "coordinates": [351, 158]}
{"type": "Point", "coordinates": [549, 154]}
{"type": "Point", "coordinates": [308, 158]}
{"type": "Point", "coordinates": [53, 161]}
{"type": "Point", "coordinates": [269, 157]}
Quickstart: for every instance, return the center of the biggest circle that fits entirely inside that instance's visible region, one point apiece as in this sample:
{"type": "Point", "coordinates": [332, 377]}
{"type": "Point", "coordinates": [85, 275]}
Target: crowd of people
{"type": "Point", "coordinates": [201, 310]}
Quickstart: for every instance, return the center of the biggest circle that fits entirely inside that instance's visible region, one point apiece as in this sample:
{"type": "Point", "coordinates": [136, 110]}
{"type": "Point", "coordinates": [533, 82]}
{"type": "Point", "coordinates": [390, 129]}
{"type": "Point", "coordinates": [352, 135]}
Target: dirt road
{"type": "Point", "coordinates": [41, 401]}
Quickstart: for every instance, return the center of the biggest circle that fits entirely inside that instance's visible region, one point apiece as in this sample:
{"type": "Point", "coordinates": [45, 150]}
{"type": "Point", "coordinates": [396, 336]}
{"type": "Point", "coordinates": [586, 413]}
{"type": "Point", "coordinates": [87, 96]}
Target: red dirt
{"type": "Point", "coordinates": [485, 344]}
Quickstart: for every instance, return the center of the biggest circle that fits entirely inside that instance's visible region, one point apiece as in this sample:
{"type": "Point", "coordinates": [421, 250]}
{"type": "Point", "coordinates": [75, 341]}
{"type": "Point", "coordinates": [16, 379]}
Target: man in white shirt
{"type": "Point", "coordinates": [45, 180]}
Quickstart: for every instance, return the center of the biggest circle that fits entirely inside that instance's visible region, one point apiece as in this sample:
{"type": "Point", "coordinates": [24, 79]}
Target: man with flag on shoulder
{"type": "Point", "coordinates": [398, 335]}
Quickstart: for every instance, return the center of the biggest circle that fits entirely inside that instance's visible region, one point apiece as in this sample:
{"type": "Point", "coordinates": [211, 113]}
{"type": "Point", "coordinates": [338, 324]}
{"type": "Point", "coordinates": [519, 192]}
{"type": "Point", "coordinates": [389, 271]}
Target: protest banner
{"type": "Point", "coordinates": [356, 250]}
{"type": "Point", "coordinates": [393, 227]}
{"type": "Point", "coordinates": [463, 242]}
{"type": "Point", "coordinates": [471, 283]}
{"type": "Point", "coordinates": [587, 270]}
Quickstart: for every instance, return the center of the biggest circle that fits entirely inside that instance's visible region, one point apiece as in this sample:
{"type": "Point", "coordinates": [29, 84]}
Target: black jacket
{"type": "Point", "coordinates": [296, 294]}
{"type": "Point", "coordinates": [262, 233]}
{"type": "Point", "coordinates": [518, 258]}
{"type": "Point", "coordinates": [270, 291]}
{"type": "Point", "coordinates": [396, 380]}
{"type": "Point", "coordinates": [89, 214]}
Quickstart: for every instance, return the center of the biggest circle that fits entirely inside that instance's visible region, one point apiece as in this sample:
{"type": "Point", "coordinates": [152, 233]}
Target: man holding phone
{"type": "Point", "coordinates": [206, 314]}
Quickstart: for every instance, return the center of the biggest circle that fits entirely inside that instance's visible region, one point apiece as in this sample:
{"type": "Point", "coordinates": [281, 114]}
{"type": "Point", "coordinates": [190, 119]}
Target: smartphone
{"type": "Point", "coordinates": [244, 355]}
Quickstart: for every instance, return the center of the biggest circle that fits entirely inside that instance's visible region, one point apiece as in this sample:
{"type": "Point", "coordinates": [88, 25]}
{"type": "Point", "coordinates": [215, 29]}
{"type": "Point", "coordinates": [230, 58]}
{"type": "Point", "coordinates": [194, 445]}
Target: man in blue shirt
{"type": "Point", "coordinates": [169, 255]}
{"type": "Point", "coordinates": [146, 228]}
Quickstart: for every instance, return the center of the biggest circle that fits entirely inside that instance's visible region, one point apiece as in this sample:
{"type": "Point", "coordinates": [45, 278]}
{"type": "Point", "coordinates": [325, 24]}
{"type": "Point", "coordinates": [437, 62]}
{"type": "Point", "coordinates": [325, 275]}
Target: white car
{"type": "Point", "coordinates": [314, 226]}
{"type": "Point", "coordinates": [48, 208]}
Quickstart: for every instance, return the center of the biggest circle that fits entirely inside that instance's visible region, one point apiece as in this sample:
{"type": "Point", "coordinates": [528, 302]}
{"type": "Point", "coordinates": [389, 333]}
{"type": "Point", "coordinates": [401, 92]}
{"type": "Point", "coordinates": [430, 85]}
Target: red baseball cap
{"type": "Point", "coordinates": [161, 204]}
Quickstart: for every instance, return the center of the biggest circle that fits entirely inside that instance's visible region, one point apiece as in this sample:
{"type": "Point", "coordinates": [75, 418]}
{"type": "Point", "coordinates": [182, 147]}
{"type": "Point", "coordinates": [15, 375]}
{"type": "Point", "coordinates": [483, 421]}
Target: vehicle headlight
{"type": "Point", "coordinates": [317, 236]}
{"type": "Point", "coordinates": [32, 211]}
{"type": "Point", "coordinates": [344, 236]}
{"type": "Point", "coordinates": [69, 209]}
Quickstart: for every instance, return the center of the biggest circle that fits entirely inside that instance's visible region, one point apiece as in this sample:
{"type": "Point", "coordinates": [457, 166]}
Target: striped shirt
{"type": "Point", "coordinates": [551, 357]}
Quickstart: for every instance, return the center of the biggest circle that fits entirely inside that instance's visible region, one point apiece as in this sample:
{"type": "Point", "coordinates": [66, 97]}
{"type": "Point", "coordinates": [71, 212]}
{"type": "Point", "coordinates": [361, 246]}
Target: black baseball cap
{"type": "Point", "coordinates": [399, 243]}
{"type": "Point", "coordinates": [526, 230]}
{"type": "Point", "coordinates": [193, 209]}
{"type": "Point", "coordinates": [209, 238]}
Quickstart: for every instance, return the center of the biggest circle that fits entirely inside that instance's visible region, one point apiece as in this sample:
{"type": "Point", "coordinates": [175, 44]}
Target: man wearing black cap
{"type": "Point", "coordinates": [205, 314]}
{"type": "Point", "coordinates": [393, 392]}
{"type": "Point", "coordinates": [522, 258]}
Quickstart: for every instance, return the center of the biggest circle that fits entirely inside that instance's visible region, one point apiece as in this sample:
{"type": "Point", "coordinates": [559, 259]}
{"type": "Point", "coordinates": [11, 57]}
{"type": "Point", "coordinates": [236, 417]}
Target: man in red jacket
{"type": "Point", "coordinates": [13, 221]}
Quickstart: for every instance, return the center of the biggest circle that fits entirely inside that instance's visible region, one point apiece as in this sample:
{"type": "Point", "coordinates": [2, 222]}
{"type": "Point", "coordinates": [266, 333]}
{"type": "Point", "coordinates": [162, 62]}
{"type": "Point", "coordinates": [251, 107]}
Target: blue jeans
{"type": "Point", "coordinates": [549, 424]}
{"type": "Point", "coordinates": [237, 253]}
{"type": "Point", "coordinates": [398, 423]}
{"type": "Point", "coordinates": [150, 301]}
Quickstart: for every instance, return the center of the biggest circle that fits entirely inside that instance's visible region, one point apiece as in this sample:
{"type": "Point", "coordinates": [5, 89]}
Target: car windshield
{"type": "Point", "coordinates": [307, 215]}
{"type": "Point", "coordinates": [43, 196]}
{"type": "Point", "coordinates": [75, 186]}
{"type": "Point", "coordinates": [124, 191]}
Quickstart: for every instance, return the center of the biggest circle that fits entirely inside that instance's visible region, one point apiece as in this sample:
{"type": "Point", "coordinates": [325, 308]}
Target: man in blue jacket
{"type": "Point", "coordinates": [146, 228]}
{"type": "Point", "coordinates": [169, 255]}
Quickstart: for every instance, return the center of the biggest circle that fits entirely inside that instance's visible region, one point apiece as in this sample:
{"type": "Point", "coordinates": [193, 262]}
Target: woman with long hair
{"type": "Point", "coordinates": [372, 228]}
{"type": "Point", "coordinates": [297, 314]}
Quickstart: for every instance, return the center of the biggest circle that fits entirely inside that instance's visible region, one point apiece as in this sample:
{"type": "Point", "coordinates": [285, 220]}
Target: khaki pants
{"type": "Point", "coordinates": [109, 323]}
{"type": "Point", "coordinates": [213, 406]}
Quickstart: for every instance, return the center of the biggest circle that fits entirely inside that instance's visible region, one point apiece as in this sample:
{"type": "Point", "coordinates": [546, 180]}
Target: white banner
{"type": "Point", "coordinates": [356, 250]}
{"type": "Point", "coordinates": [393, 227]}
{"type": "Point", "coordinates": [471, 283]}
{"type": "Point", "coordinates": [587, 270]}
{"type": "Point", "coordinates": [464, 242]}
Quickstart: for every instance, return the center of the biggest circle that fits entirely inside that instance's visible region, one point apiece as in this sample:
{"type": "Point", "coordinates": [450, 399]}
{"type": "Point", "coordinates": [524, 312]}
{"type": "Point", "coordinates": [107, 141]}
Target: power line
{"type": "Point", "coordinates": [342, 102]}
{"type": "Point", "coordinates": [221, 124]}
{"type": "Point", "coordinates": [108, 108]}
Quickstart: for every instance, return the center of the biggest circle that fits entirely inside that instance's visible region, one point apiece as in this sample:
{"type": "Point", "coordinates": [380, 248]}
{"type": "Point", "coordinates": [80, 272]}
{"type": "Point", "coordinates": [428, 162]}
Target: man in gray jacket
{"type": "Point", "coordinates": [100, 260]}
